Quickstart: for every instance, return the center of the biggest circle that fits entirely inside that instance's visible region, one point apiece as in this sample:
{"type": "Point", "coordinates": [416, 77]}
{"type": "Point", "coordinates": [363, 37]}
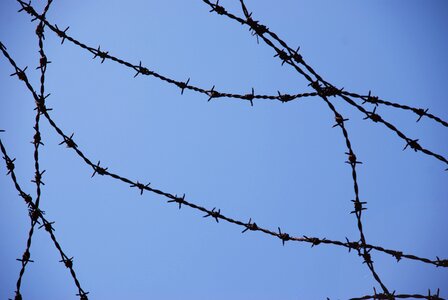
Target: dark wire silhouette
{"type": "Point", "coordinates": [287, 55]}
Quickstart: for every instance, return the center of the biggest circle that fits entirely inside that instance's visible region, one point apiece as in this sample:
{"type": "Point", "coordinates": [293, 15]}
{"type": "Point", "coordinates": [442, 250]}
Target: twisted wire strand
{"type": "Point", "coordinates": [100, 170]}
{"type": "Point", "coordinates": [294, 59]}
{"type": "Point", "coordinates": [365, 253]}
{"type": "Point", "coordinates": [212, 93]}
{"type": "Point", "coordinates": [329, 90]}
{"type": "Point", "coordinates": [142, 70]}
{"type": "Point", "coordinates": [430, 296]}
{"type": "Point", "coordinates": [37, 141]}
{"type": "Point", "coordinates": [420, 112]}
{"type": "Point", "coordinates": [322, 88]}
{"type": "Point", "coordinates": [297, 58]}
{"type": "Point", "coordinates": [37, 214]}
{"type": "Point", "coordinates": [260, 30]}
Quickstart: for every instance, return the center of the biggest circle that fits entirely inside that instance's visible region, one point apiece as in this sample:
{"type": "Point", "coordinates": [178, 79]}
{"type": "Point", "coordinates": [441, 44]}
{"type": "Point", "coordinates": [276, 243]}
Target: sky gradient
{"type": "Point", "coordinates": [281, 164]}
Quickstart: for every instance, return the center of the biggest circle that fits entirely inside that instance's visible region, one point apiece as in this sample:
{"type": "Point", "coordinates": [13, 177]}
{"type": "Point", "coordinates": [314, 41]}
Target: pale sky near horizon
{"type": "Point", "coordinates": [281, 164]}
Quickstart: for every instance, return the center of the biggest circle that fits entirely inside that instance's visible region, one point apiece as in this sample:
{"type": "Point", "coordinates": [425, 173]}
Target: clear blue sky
{"type": "Point", "coordinates": [280, 164]}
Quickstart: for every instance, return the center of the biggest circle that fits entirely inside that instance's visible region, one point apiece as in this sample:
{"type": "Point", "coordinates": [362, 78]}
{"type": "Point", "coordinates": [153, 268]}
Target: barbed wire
{"type": "Point", "coordinates": [287, 55]}
{"type": "Point", "coordinates": [212, 93]}
{"type": "Point", "coordinates": [324, 92]}
{"type": "Point", "coordinates": [392, 296]}
{"type": "Point", "coordinates": [293, 58]}
{"type": "Point", "coordinates": [259, 30]}
{"type": "Point", "coordinates": [35, 215]}
{"type": "Point", "coordinates": [142, 70]}
{"type": "Point", "coordinates": [37, 141]}
{"type": "Point", "coordinates": [420, 112]}
{"type": "Point", "coordinates": [214, 213]}
{"type": "Point", "coordinates": [70, 143]}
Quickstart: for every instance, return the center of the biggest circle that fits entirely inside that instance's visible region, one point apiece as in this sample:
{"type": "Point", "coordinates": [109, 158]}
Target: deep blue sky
{"type": "Point", "coordinates": [280, 164]}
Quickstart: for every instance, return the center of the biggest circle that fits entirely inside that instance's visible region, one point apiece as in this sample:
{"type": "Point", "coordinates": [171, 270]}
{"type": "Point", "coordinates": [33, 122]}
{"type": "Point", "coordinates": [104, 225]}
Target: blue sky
{"type": "Point", "coordinates": [280, 164]}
